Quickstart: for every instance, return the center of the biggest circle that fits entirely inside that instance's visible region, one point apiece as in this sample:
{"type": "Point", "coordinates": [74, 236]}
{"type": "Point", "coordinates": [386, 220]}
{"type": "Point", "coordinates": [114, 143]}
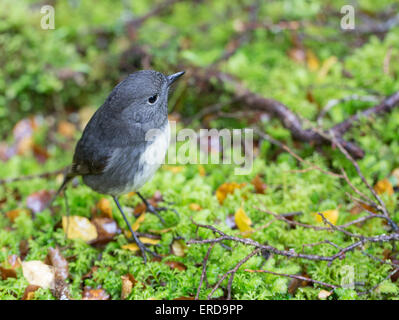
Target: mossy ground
{"type": "Point", "coordinates": [265, 67]}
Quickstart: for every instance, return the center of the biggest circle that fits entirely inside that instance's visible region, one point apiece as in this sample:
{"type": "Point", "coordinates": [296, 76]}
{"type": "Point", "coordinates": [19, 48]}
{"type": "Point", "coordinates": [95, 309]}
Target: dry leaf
{"type": "Point", "coordinates": [227, 188]}
{"type": "Point", "coordinates": [105, 208]}
{"type": "Point", "coordinates": [66, 129]}
{"type": "Point", "coordinates": [7, 273]}
{"type": "Point", "coordinates": [242, 221]}
{"type": "Point", "coordinates": [133, 246]}
{"type": "Point", "coordinates": [326, 66]}
{"type": "Point", "coordinates": [38, 273]}
{"type": "Point", "coordinates": [312, 60]}
{"type": "Point", "coordinates": [176, 265]}
{"type": "Point", "coordinates": [94, 294]}
{"type": "Point", "coordinates": [13, 261]}
{"type": "Point", "coordinates": [138, 222]}
{"type": "Point", "coordinates": [330, 215]}
{"type": "Point", "coordinates": [29, 293]}
{"type": "Point", "coordinates": [13, 214]}
{"type": "Point", "coordinates": [59, 263]}
{"type": "Point", "coordinates": [178, 248]}
{"type": "Point", "coordinates": [194, 207]}
{"type": "Point", "coordinates": [324, 294]}
{"type": "Point", "coordinates": [38, 201]}
{"type": "Point", "coordinates": [201, 170]}
{"type": "Point", "coordinates": [79, 228]}
{"type": "Point", "coordinates": [128, 282]}
{"type": "Point", "coordinates": [260, 186]}
{"type": "Point", "coordinates": [383, 186]}
{"type": "Point", "coordinates": [174, 169]}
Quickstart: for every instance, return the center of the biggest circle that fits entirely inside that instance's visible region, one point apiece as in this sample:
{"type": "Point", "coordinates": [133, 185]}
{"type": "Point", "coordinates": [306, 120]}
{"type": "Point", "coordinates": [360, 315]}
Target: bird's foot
{"type": "Point", "coordinates": [143, 248]}
{"type": "Point", "coordinates": [156, 210]}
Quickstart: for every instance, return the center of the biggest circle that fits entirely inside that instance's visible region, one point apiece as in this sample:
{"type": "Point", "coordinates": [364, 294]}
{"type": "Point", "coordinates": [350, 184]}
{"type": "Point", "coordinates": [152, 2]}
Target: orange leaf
{"type": "Point", "coordinates": [227, 188]}
{"type": "Point", "coordinates": [194, 207]}
{"type": "Point", "coordinates": [105, 208]}
{"type": "Point", "coordinates": [383, 186]}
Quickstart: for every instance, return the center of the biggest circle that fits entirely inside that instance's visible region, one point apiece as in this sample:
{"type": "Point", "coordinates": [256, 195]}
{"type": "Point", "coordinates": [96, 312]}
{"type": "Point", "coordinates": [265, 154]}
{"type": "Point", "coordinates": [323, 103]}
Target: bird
{"type": "Point", "coordinates": [125, 141]}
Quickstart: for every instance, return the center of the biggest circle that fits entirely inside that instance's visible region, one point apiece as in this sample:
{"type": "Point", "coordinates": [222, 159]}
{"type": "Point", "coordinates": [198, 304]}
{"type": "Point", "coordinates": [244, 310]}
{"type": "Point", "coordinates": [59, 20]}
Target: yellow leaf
{"type": "Point", "coordinates": [77, 227]}
{"type": "Point", "coordinates": [138, 222]}
{"type": "Point", "coordinates": [227, 188]}
{"type": "Point", "coordinates": [383, 186]}
{"type": "Point", "coordinates": [194, 207]}
{"type": "Point", "coordinates": [242, 221]}
{"type": "Point", "coordinates": [39, 274]}
{"type": "Point", "coordinates": [395, 174]}
{"type": "Point", "coordinates": [104, 206]}
{"type": "Point", "coordinates": [179, 248]}
{"type": "Point", "coordinates": [326, 67]}
{"type": "Point", "coordinates": [174, 169]}
{"type": "Point", "coordinates": [145, 240]}
{"type": "Point", "coordinates": [330, 215]}
{"type": "Point", "coordinates": [312, 61]}
{"type": "Point", "coordinates": [324, 294]}
{"type": "Point", "coordinates": [201, 170]}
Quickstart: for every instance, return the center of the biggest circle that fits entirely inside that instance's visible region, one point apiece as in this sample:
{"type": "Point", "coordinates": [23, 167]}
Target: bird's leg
{"type": "Point", "coordinates": [154, 210]}
{"type": "Point", "coordinates": [141, 245]}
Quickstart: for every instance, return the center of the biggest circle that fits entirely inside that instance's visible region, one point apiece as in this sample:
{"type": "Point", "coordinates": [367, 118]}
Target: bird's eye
{"type": "Point", "coordinates": [153, 99]}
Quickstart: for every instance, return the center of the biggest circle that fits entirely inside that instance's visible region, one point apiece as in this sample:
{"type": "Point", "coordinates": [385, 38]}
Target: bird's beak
{"type": "Point", "coordinates": [173, 77]}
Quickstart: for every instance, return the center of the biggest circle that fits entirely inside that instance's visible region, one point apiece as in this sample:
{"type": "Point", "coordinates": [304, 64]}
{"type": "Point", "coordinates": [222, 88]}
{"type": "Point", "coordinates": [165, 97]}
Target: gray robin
{"type": "Point", "coordinates": [126, 140]}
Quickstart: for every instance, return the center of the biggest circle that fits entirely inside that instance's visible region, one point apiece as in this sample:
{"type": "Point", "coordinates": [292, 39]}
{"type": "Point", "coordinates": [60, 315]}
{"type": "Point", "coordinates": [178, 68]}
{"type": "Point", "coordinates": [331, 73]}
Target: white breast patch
{"type": "Point", "coordinates": [154, 155]}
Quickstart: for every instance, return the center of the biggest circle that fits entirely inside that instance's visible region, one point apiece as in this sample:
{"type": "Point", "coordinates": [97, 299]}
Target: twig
{"type": "Point", "coordinates": [203, 274]}
{"type": "Point", "coordinates": [294, 276]}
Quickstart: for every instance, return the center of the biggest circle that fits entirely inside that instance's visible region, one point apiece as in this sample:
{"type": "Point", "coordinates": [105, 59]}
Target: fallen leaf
{"type": "Point", "coordinates": [176, 265]}
{"type": "Point", "coordinates": [184, 298]}
{"type": "Point", "coordinates": [383, 186]}
{"type": "Point", "coordinates": [13, 214]}
{"type": "Point", "coordinates": [360, 207]}
{"type": "Point", "coordinates": [326, 67]}
{"type": "Point", "coordinates": [41, 154]}
{"type": "Point", "coordinates": [38, 201]}
{"type": "Point", "coordinates": [140, 209]}
{"type": "Point", "coordinates": [13, 261]}
{"type": "Point", "coordinates": [178, 248]}
{"type": "Point", "coordinates": [297, 54]}
{"type": "Point", "coordinates": [94, 294]}
{"type": "Point", "coordinates": [260, 186]}
{"type": "Point", "coordinates": [105, 208]}
{"type": "Point", "coordinates": [242, 221]}
{"type": "Point", "coordinates": [39, 274]}
{"type": "Point", "coordinates": [23, 249]}
{"type": "Point", "coordinates": [227, 188]}
{"type": "Point", "coordinates": [174, 169]}
{"type": "Point", "coordinates": [194, 207]}
{"type": "Point", "coordinates": [106, 227]}
{"type": "Point", "coordinates": [312, 60]}
{"type": "Point", "coordinates": [66, 129]}
{"type": "Point", "coordinates": [59, 263]}
{"type": "Point", "coordinates": [133, 246]}
{"type": "Point", "coordinates": [330, 215]}
{"type": "Point", "coordinates": [138, 222]}
{"type": "Point", "coordinates": [324, 294]}
{"type": "Point", "coordinates": [7, 273]}
{"type": "Point", "coordinates": [201, 170]}
{"type": "Point", "coordinates": [106, 231]}
{"type": "Point", "coordinates": [128, 282]}
{"type": "Point", "coordinates": [79, 228]}
{"type": "Point", "coordinates": [29, 293]}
